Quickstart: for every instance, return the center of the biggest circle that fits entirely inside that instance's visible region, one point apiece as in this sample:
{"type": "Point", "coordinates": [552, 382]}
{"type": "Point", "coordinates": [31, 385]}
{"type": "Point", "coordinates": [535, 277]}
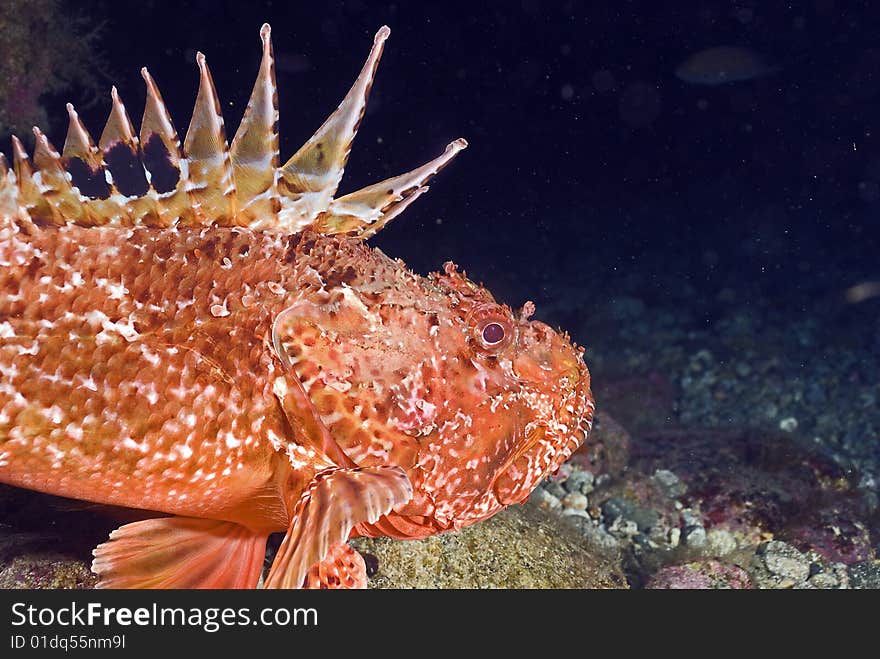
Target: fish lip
{"type": "Point", "coordinates": [515, 454]}
{"type": "Point", "coordinates": [579, 429]}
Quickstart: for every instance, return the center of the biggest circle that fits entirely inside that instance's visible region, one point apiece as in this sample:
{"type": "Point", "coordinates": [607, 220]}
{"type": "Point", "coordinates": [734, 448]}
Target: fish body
{"type": "Point", "coordinates": [206, 335]}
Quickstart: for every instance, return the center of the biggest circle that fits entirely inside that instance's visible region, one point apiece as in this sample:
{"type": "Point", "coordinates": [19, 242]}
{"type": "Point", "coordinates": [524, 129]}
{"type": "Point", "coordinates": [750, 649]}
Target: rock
{"type": "Point", "coordinates": [644, 518]}
{"type": "Point", "coordinates": [670, 484]}
{"type": "Point", "coordinates": [784, 560]}
{"type": "Point", "coordinates": [823, 580]}
{"type": "Point", "coordinates": [777, 564]}
{"type": "Point", "coordinates": [574, 512]}
{"type": "Point", "coordinates": [834, 531]}
{"type": "Point", "coordinates": [720, 542]}
{"type": "Point", "coordinates": [543, 499]}
{"type": "Point", "coordinates": [575, 501]}
{"type": "Point", "coordinates": [520, 547]}
{"type": "Point", "coordinates": [710, 574]}
{"type": "Point", "coordinates": [695, 536]}
{"type": "Point", "coordinates": [46, 541]}
{"type": "Point", "coordinates": [864, 575]}
{"type": "Point", "coordinates": [579, 481]}
{"type": "Point", "coordinates": [555, 489]}
{"type": "Point", "coordinates": [607, 448]}
{"type": "Point", "coordinates": [50, 570]}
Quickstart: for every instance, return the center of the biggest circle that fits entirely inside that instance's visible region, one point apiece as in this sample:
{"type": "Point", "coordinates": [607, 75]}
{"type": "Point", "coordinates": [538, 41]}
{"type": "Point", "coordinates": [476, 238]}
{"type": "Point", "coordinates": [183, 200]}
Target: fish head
{"type": "Point", "coordinates": [516, 400]}
{"type": "Point", "coordinates": [476, 401]}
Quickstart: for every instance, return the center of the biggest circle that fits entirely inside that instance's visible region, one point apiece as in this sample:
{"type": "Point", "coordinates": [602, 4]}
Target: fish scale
{"type": "Point", "coordinates": [192, 329]}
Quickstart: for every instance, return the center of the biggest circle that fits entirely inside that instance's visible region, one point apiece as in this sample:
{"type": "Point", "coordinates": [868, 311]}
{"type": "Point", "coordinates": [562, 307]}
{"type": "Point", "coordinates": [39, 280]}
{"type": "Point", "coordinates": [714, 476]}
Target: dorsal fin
{"type": "Point", "coordinates": [160, 148]}
{"type": "Point", "coordinates": [254, 148]}
{"type": "Point", "coordinates": [54, 184]}
{"type": "Point", "coordinates": [369, 209]}
{"type": "Point", "coordinates": [310, 178]}
{"type": "Point", "coordinates": [207, 154]}
{"type": "Point", "coordinates": [148, 178]}
{"type": "Point", "coordinates": [130, 188]}
{"type": "Point", "coordinates": [29, 194]}
{"type": "Point", "coordinates": [79, 143]}
{"type": "Point", "coordinates": [82, 160]}
{"type": "Point", "coordinates": [12, 211]}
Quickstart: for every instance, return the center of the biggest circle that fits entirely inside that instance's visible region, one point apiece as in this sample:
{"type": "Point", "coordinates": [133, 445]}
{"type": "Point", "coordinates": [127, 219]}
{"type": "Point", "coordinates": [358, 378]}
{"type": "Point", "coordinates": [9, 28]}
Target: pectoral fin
{"type": "Point", "coordinates": [299, 410]}
{"type": "Point", "coordinates": [336, 501]}
{"type": "Point", "coordinates": [342, 567]}
{"type": "Point", "coordinates": [180, 552]}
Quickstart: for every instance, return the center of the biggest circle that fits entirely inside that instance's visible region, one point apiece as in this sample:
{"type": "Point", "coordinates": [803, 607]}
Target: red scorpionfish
{"type": "Point", "coordinates": [198, 331]}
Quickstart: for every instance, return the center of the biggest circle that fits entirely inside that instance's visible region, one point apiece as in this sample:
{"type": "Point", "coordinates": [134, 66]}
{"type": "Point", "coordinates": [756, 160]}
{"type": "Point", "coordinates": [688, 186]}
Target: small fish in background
{"type": "Point", "coordinates": [724, 64]}
{"type": "Point", "coordinates": [863, 291]}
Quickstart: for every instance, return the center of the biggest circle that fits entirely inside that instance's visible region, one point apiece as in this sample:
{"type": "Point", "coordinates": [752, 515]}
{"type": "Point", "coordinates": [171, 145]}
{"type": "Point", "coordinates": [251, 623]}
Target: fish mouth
{"type": "Point", "coordinates": [541, 445]}
{"type": "Point", "coordinates": [504, 486]}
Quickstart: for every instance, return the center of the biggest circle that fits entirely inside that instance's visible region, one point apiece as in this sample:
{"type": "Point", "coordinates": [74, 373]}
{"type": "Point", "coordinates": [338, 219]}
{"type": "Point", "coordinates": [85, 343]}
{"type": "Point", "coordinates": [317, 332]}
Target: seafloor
{"type": "Point", "coordinates": [737, 436]}
{"type": "Point", "coordinates": [735, 446]}
{"type": "Point", "coordinates": [737, 389]}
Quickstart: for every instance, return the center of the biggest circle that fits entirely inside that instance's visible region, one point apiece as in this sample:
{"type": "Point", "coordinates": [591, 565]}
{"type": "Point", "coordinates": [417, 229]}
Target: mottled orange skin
{"type": "Point", "coordinates": [138, 369]}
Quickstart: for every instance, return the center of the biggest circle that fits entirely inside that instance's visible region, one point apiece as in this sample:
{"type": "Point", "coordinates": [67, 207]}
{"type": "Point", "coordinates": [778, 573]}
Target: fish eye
{"type": "Point", "coordinates": [491, 328]}
{"type": "Point", "coordinates": [493, 333]}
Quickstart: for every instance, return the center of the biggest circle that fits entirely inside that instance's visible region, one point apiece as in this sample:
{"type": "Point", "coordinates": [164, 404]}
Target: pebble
{"type": "Point", "coordinates": [695, 536]}
{"type": "Point", "coordinates": [575, 501]}
{"type": "Point", "coordinates": [823, 580]}
{"type": "Point", "coordinates": [671, 485]}
{"type": "Point", "coordinates": [545, 500]}
{"type": "Point", "coordinates": [556, 489]}
{"type": "Point", "coordinates": [623, 528]}
{"type": "Point", "coordinates": [720, 542]}
{"type": "Point", "coordinates": [619, 507]}
{"type": "Point", "coordinates": [579, 481]}
{"type": "Point", "coordinates": [864, 575]}
{"type": "Point", "coordinates": [785, 561]}
{"type": "Point", "coordinates": [788, 424]}
{"type": "Point", "coordinates": [573, 512]}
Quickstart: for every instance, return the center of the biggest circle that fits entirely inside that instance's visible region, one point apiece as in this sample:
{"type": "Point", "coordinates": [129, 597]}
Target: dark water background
{"type": "Point", "coordinates": [698, 239]}
{"type": "Point", "coordinates": [776, 175]}
{"type": "Point", "coordinates": [594, 173]}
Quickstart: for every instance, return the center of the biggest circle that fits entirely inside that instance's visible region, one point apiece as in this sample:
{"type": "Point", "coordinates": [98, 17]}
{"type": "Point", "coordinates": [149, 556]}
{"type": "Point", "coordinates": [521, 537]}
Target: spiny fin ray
{"type": "Point", "coordinates": [30, 197]}
{"type": "Point", "coordinates": [369, 209]}
{"type": "Point", "coordinates": [254, 148]}
{"type": "Point", "coordinates": [160, 147]}
{"type": "Point", "coordinates": [149, 178]}
{"type": "Point", "coordinates": [12, 211]}
{"type": "Point", "coordinates": [83, 162]}
{"type": "Point", "coordinates": [54, 184]}
{"type": "Point", "coordinates": [129, 181]}
{"type": "Point", "coordinates": [210, 169]}
{"type": "Point", "coordinates": [311, 176]}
